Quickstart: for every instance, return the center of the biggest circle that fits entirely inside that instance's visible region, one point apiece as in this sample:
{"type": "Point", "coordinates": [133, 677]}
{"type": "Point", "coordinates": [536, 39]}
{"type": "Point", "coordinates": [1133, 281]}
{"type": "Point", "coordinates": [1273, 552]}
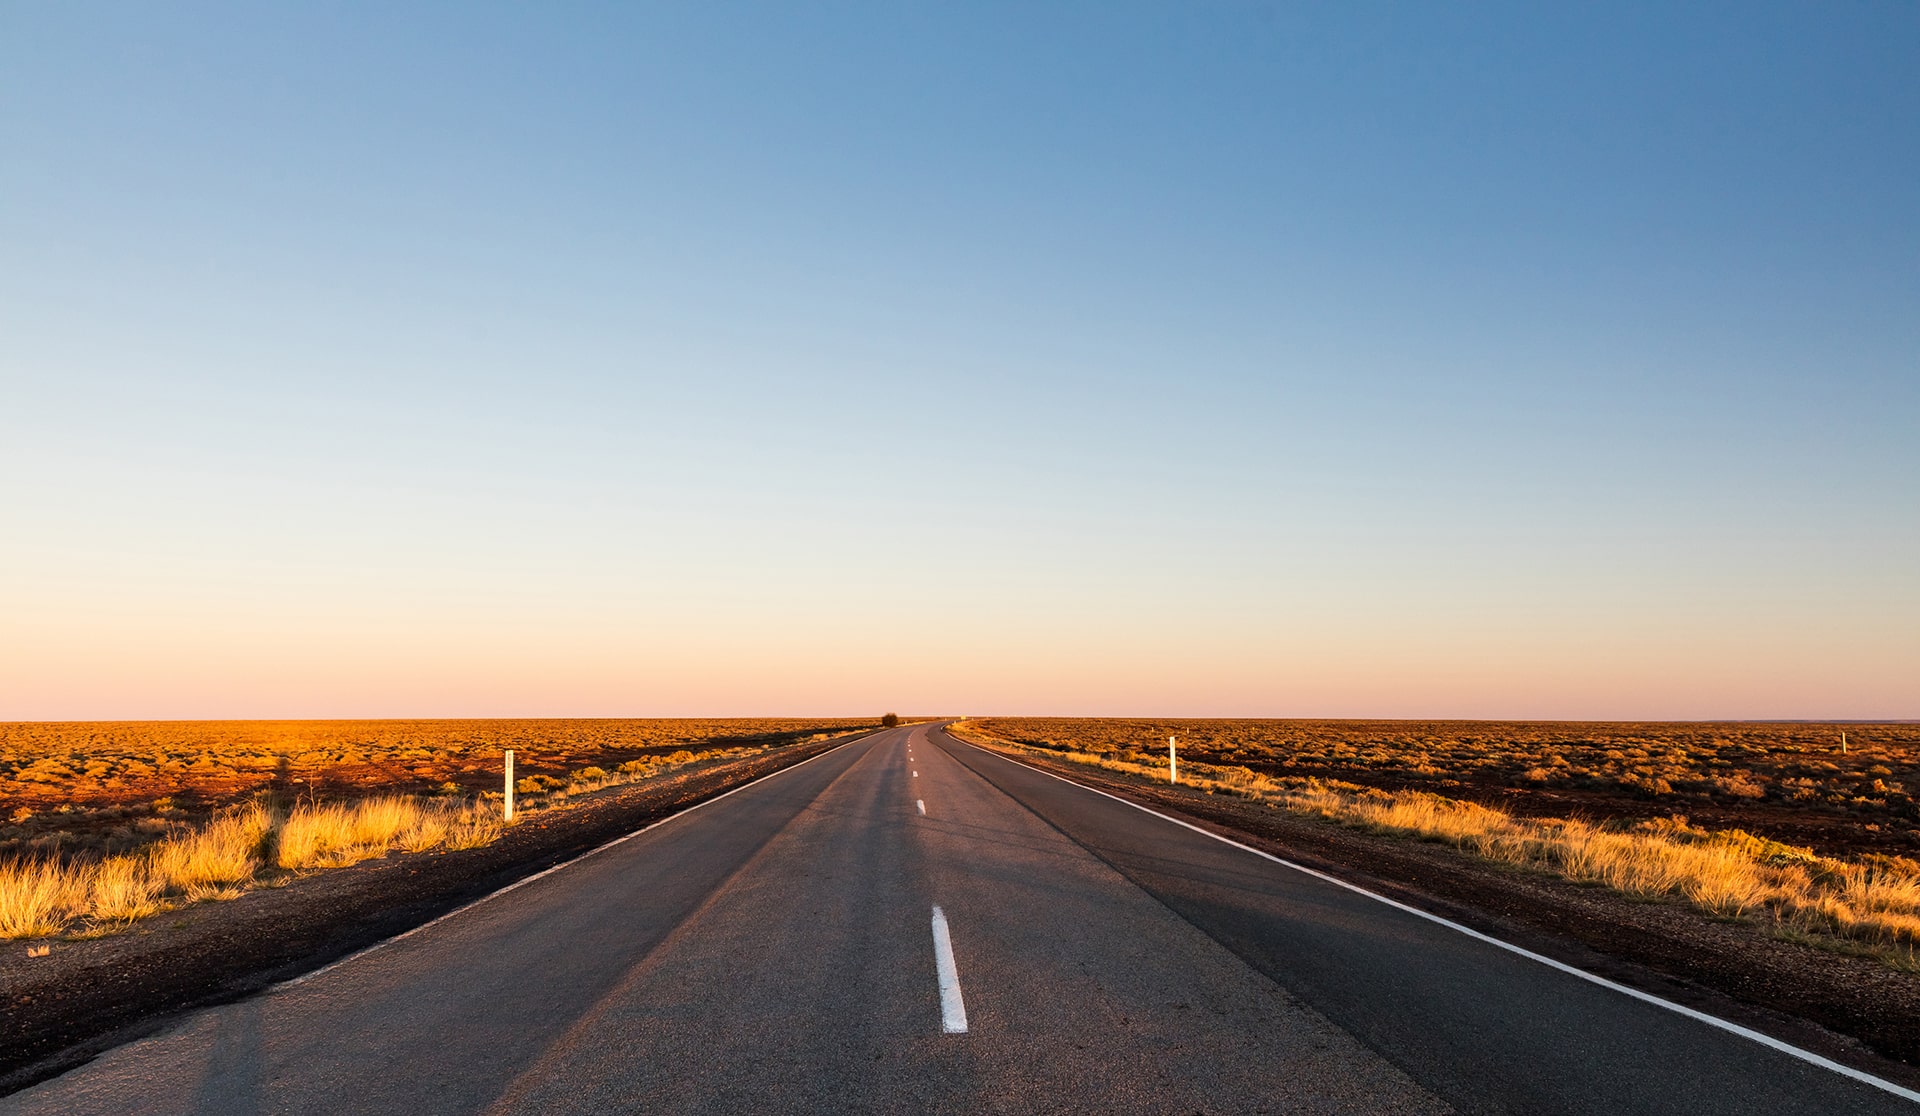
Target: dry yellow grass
{"type": "Point", "coordinates": [83, 765]}
{"type": "Point", "coordinates": [38, 898]}
{"type": "Point", "coordinates": [212, 860]}
{"type": "Point", "coordinates": [124, 889]}
{"type": "Point", "coordinates": [334, 836]}
{"type": "Point", "coordinates": [96, 790]}
{"type": "Point", "coordinates": [1871, 902]}
{"type": "Point", "coordinates": [548, 791]}
{"type": "Point", "coordinates": [46, 897]}
{"type": "Point", "coordinates": [247, 845]}
{"type": "Point", "coordinates": [1746, 774]}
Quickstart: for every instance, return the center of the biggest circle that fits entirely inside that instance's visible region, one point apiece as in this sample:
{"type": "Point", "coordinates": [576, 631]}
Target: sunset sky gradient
{"type": "Point", "coordinates": [1189, 359]}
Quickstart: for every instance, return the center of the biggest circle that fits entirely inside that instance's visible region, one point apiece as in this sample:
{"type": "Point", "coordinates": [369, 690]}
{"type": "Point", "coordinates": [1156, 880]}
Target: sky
{"type": "Point", "coordinates": [1211, 359]}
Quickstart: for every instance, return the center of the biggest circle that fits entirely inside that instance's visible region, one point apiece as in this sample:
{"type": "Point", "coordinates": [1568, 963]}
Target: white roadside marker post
{"type": "Point", "coordinates": [509, 770]}
{"type": "Point", "coordinates": [1173, 763]}
{"type": "Point", "coordinates": [1843, 743]}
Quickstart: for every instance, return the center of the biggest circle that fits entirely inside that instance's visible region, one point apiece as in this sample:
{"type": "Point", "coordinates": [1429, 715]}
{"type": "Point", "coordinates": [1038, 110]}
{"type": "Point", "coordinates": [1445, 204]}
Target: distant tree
{"type": "Point", "coordinates": [890, 720]}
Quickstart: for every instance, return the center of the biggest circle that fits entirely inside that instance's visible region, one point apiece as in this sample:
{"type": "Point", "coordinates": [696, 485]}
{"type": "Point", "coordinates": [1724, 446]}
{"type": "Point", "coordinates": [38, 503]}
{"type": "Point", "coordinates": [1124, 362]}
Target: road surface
{"type": "Point", "coordinates": [909, 924]}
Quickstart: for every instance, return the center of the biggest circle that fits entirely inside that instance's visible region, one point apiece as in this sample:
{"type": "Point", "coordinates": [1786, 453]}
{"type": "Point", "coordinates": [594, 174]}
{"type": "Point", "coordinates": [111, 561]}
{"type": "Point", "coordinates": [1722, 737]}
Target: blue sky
{"type": "Point", "coordinates": [1239, 359]}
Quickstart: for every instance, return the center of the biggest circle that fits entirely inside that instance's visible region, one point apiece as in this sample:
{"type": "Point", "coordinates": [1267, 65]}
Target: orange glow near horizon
{"type": "Point", "coordinates": [206, 663]}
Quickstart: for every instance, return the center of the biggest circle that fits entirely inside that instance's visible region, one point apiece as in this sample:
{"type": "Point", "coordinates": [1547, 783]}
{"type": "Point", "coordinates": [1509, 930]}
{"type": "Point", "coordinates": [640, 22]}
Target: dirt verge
{"type": "Point", "coordinates": [87, 996]}
{"type": "Point", "coordinates": [1854, 1010]}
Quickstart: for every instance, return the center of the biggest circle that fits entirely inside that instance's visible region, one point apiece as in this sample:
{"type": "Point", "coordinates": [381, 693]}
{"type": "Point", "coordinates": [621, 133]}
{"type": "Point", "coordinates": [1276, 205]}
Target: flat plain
{"type": "Point", "coordinates": [1789, 781]}
{"type": "Point", "coordinates": [107, 787]}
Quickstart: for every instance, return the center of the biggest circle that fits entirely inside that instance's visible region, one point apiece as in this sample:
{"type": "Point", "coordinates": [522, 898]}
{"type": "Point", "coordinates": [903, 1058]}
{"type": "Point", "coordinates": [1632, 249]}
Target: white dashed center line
{"type": "Point", "coordinates": [922, 803]}
{"type": "Point", "coordinates": [953, 1010]}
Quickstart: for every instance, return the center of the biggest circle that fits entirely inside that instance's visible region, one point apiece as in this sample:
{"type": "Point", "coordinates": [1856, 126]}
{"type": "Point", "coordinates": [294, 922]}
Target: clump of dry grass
{"type": "Point", "coordinates": [124, 890]}
{"type": "Point", "coordinates": [38, 898]}
{"type": "Point", "coordinates": [1872, 901]}
{"type": "Point", "coordinates": [336, 835]}
{"type": "Point", "coordinates": [213, 860]}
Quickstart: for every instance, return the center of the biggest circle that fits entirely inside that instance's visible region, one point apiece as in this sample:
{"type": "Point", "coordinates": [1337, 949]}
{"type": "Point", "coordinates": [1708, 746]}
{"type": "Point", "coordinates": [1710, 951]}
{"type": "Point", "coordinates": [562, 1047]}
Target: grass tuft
{"type": "Point", "coordinates": [38, 898]}
{"type": "Point", "coordinates": [206, 862]}
{"type": "Point", "coordinates": [336, 835]}
{"type": "Point", "coordinates": [124, 889]}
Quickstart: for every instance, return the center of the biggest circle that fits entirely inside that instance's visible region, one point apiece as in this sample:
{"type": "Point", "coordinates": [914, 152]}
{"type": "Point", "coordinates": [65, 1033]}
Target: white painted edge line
{"type": "Point", "coordinates": [1646, 997]}
{"type": "Point", "coordinates": [545, 872]}
{"type": "Point", "coordinates": [953, 1010]}
{"type": "Point", "coordinates": [922, 803]}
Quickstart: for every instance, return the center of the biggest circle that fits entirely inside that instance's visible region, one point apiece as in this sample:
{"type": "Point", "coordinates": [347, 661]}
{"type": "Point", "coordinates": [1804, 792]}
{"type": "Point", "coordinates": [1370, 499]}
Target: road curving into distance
{"type": "Point", "coordinates": [911, 924]}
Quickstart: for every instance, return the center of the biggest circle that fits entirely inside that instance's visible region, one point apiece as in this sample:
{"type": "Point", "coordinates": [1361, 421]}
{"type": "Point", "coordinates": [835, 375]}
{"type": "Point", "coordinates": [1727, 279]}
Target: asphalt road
{"type": "Point", "coordinates": [778, 950]}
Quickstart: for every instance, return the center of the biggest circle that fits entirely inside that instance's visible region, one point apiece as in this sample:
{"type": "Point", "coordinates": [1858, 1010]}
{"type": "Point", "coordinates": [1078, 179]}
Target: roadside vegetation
{"type": "Point", "coordinates": [1863, 784]}
{"type": "Point", "coordinates": [265, 842]}
{"type": "Point", "coordinates": [244, 847]}
{"type": "Point", "coordinates": [537, 792]}
{"type": "Point", "coordinates": [108, 788]}
{"type": "Point", "coordinates": [1865, 903]}
{"type": "Point", "coordinates": [1801, 784]}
